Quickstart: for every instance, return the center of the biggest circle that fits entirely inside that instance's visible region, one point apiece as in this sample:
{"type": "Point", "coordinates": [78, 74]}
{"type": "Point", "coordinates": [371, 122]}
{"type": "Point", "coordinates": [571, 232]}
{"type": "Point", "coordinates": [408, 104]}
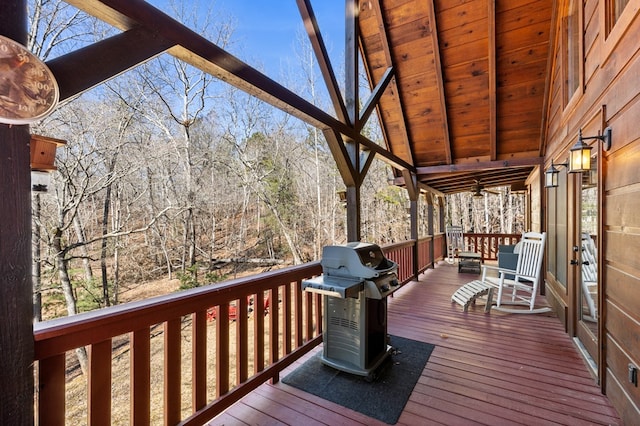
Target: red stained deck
{"type": "Point", "coordinates": [496, 369]}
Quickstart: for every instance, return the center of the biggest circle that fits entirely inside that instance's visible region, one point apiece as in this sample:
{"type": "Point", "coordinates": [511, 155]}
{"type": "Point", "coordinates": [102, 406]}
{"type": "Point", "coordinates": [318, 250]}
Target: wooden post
{"type": "Point", "coordinates": [16, 305]}
{"type": "Point", "coordinates": [443, 246]}
{"type": "Point", "coordinates": [430, 230]}
{"type": "Point", "coordinates": [352, 106]}
{"type": "Point", "coordinates": [413, 217]}
{"type": "Point", "coordinates": [353, 214]}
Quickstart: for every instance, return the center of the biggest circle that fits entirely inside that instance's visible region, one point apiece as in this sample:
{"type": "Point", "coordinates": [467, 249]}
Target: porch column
{"type": "Point", "coordinates": [441, 202]}
{"type": "Point", "coordinates": [353, 213]}
{"type": "Point", "coordinates": [413, 209]}
{"type": "Point", "coordinates": [430, 229]}
{"type": "Point", "coordinates": [411, 185]}
{"type": "Point", "coordinates": [353, 111]}
{"type": "Point", "coordinates": [16, 306]}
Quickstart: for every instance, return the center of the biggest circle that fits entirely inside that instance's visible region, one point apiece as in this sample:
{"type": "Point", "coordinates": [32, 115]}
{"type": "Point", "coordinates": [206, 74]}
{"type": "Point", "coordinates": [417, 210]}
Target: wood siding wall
{"type": "Point", "coordinates": [609, 95]}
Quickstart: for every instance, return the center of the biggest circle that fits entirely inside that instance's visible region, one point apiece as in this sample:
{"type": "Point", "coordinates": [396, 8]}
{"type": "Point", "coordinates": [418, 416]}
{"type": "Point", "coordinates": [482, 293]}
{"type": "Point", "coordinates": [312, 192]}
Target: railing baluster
{"type": "Point", "coordinates": [319, 314]}
{"type": "Point", "coordinates": [222, 350]}
{"type": "Point", "coordinates": [99, 383]}
{"type": "Point", "coordinates": [51, 378]}
{"type": "Point", "coordinates": [308, 299]}
{"type": "Point", "coordinates": [140, 372]}
{"type": "Point", "coordinates": [199, 360]}
{"type": "Point", "coordinates": [286, 322]}
{"type": "Point", "coordinates": [297, 316]}
{"type": "Point", "coordinates": [258, 332]}
{"type": "Point", "coordinates": [172, 370]}
{"type": "Point", "coordinates": [242, 332]}
{"type": "Point", "coordinates": [274, 330]}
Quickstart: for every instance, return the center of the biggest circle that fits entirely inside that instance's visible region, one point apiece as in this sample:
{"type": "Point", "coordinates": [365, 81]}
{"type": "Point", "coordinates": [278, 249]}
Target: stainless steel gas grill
{"type": "Point", "coordinates": [356, 280]}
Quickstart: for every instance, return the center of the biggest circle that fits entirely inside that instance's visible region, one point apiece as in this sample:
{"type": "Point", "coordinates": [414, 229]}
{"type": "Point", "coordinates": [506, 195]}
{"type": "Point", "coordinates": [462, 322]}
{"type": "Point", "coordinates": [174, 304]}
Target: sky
{"type": "Point", "coordinates": [267, 29]}
{"type": "Point", "coordinates": [265, 34]}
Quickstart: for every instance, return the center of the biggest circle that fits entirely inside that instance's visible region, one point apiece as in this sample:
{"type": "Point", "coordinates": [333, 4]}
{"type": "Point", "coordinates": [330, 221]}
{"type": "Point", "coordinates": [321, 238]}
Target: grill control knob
{"type": "Point", "coordinates": [385, 287]}
{"type": "Point", "coordinates": [394, 283]}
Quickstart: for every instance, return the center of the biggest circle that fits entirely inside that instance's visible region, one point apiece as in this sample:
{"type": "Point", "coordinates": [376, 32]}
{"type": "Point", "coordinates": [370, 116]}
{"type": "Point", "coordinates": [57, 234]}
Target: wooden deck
{"type": "Point", "coordinates": [496, 369]}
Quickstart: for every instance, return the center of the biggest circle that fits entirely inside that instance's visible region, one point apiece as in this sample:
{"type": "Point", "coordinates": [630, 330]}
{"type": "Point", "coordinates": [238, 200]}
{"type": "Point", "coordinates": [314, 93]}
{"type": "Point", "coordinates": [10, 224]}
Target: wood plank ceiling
{"type": "Point", "coordinates": [466, 105]}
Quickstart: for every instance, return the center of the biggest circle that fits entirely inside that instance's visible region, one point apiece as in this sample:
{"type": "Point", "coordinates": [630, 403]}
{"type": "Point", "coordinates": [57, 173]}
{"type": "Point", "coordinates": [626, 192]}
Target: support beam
{"type": "Point", "coordinates": [341, 157]}
{"type": "Point", "coordinates": [480, 165]}
{"type": "Point", "coordinates": [376, 94]}
{"type": "Point", "coordinates": [16, 290]}
{"type": "Point", "coordinates": [366, 159]}
{"type": "Point", "coordinates": [352, 82]}
{"type": "Point", "coordinates": [317, 43]}
{"type": "Point", "coordinates": [353, 213]}
{"type": "Point", "coordinates": [411, 184]}
{"type": "Point", "coordinates": [85, 68]}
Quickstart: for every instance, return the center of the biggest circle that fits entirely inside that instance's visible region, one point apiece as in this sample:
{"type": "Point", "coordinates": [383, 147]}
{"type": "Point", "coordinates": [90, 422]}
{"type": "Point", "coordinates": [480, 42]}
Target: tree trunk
{"type": "Point", "coordinates": [36, 265]}
{"type": "Point", "coordinates": [103, 248]}
{"type": "Point", "coordinates": [86, 263]}
{"type": "Point", "coordinates": [67, 291]}
{"type": "Point", "coordinates": [297, 260]}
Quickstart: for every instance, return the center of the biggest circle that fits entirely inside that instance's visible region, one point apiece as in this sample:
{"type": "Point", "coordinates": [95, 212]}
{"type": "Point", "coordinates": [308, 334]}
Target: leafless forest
{"type": "Point", "coordinates": [169, 173]}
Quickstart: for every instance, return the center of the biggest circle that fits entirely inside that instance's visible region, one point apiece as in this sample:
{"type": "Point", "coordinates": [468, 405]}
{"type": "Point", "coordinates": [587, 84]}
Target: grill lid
{"type": "Point", "coordinates": [356, 259]}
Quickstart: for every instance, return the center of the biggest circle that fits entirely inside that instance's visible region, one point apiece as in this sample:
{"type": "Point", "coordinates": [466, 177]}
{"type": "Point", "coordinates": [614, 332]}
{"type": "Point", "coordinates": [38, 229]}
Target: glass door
{"type": "Point", "coordinates": [587, 286]}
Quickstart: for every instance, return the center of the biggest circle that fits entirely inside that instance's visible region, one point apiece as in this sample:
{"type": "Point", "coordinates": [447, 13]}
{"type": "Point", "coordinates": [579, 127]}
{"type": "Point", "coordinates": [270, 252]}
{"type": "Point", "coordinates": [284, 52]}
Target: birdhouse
{"type": "Point", "coordinates": [43, 152]}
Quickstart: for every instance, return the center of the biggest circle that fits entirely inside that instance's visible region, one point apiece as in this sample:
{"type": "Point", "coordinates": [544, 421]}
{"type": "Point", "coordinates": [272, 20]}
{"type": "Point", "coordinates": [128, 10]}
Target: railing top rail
{"type": "Point", "coordinates": [478, 234]}
{"type": "Point", "coordinates": [395, 246]}
{"type": "Point", "coordinates": [67, 333]}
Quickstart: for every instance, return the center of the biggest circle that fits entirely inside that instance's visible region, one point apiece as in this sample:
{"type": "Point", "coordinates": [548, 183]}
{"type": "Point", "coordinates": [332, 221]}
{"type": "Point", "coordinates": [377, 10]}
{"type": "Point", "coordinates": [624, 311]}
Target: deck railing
{"type": "Point", "coordinates": [229, 354]}
{"type": "Point", "coordinates": [487, 244]}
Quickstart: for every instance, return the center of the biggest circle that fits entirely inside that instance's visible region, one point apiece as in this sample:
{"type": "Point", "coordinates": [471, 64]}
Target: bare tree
{"type": "Point", "coordinates": [179, 96]}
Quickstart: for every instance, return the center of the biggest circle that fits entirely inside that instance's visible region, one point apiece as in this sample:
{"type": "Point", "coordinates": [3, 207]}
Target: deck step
{"type": "Point", "coordinates": [468, 293]}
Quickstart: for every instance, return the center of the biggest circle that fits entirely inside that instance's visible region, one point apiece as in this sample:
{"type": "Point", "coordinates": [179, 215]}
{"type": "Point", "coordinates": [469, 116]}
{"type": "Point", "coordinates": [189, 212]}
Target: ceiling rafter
{"type": "Point", "coordinates": [440, 82]}
{"type": "Point", "coordinates": [324, 63]}
{"type": "Point", "coordinates": [395, 90]}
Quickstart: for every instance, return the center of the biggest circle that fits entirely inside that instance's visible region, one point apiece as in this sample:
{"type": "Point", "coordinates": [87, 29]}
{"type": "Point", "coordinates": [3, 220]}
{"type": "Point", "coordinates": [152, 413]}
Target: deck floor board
{"type": "Point", "coordinates": [492, 369]}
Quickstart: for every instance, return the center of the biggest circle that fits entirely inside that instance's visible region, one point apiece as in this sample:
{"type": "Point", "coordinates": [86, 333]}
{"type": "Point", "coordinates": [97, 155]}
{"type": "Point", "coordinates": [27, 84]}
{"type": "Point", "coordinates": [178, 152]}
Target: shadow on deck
{"type": "Point", "coordinates": [489, 369]}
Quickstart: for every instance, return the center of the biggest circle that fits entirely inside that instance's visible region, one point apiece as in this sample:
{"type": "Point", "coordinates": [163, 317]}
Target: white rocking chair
{"type": "Point", "coordinates": [519, 291]}
{"type": "Point", "coordinates": [455, 242]}
{"type": "Point", "coordinates": [590, 277]}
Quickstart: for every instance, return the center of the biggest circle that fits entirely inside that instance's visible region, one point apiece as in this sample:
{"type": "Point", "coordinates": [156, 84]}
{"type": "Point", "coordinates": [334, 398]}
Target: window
{"type": "Point", "coordinates": [613, 12]}
{"type": "Point", "coordinates": [616, 17]}
{"type": "Point", "coordinates": [572, 41]}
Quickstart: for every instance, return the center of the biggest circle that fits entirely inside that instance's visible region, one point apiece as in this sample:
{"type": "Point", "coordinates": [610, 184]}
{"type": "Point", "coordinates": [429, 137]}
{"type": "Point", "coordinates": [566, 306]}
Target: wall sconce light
{"type": "Point", "coordinates": [551, 175]}
{"type": "Point", "coordinates": [580, 153]}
